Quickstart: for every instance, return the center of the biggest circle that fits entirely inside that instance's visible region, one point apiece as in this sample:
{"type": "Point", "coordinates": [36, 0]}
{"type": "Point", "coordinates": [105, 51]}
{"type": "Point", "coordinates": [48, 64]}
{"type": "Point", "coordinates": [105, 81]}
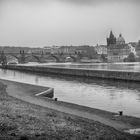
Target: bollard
{"type": "Point", "coordinates": [55, 99]}
{"type": "Point", "coordinates": [120, 113]}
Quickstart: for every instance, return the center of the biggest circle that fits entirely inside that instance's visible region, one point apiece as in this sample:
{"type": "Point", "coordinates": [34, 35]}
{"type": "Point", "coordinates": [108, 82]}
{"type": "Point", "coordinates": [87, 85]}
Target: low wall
{"type": "Point", "coordinates": [120, 75]}
{"type": "Point", "coordinates": [47, 93]}
{"type": "Point", "coordinates": [18, 88]}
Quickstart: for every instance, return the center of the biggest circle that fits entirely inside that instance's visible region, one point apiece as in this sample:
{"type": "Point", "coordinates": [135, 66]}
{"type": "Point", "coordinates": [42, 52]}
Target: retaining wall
{"type": "Point", "coordinates": [47, 93]}
{"type": "Point", "coordinates": [120, 75]}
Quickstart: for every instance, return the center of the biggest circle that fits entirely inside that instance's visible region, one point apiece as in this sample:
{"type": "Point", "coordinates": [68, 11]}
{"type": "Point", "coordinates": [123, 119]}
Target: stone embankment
{"type": "Point", "coordinates": [23, 120]}
{"type": "Point", "coordinates": [120, 75]}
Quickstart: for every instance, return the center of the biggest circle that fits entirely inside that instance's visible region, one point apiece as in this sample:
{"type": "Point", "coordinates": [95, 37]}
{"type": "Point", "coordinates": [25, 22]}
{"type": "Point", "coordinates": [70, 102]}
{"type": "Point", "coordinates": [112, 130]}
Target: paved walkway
{"type": "Point", "coordinates": [26, 92]}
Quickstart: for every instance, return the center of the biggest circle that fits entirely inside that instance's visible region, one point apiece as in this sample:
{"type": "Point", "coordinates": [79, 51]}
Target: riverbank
{"type": "Point", "coordinates": [20, 119]}
{"type": "Point", "coordinates": [79, 72]}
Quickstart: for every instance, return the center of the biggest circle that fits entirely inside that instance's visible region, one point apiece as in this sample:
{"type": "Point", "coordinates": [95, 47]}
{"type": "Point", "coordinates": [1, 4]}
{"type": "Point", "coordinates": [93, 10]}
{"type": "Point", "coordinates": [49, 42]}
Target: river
{"type": "Point", "coordinates": [131, 66]}
{"type": "Point", "coordinates": [108, 95]}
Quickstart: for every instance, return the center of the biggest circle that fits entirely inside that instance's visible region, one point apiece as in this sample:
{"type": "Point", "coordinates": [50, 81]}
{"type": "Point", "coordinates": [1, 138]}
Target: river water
{"type": "Point", "coordinates": [97, 93]}
{"type": "Point", "coordinates": [134, 67]}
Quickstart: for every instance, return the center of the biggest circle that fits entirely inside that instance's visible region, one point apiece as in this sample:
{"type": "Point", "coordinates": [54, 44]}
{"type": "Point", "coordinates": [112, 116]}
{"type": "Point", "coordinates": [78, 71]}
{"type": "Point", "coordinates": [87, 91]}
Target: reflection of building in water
{"type": "Point", "coordinates": [14, 73]}
{"type": "Point", "coordinates": [4, 71]}
{"type": "Point", "coordinates": [36, 79]}
{"type": "Point", "coordinates": [117, 49]}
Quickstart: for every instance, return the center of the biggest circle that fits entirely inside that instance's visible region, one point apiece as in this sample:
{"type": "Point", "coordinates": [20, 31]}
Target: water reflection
{"type": "Point", "coordinates": [135, 67]}
{"type": "Point", "coordinates": [36, 80]}
{"type": "Point", "coordinates": [111, 95]}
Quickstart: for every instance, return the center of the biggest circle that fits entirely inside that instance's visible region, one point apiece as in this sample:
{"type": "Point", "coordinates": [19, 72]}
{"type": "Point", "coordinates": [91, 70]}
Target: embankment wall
{"type": "Point", "coordinates": [120, 75]}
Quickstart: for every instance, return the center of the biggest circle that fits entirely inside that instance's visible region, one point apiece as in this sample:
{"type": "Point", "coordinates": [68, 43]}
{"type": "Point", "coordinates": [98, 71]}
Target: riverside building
{"type": "Point", "coordinates": [117, 49]}
{"type": "Point", "coordinates": [101, 49]}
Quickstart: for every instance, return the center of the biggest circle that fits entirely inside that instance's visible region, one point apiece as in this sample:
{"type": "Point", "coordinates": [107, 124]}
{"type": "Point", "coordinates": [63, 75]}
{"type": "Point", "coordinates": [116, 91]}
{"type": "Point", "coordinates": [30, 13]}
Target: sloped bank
{"type": "Point", "coordinates": [27, 92]}
{"type": "Point", "coordinates": [24, 89]}
{"type": "Point", "coordinates": [22, 120]}
{"type": "Point", "coordinates": [107, 74]}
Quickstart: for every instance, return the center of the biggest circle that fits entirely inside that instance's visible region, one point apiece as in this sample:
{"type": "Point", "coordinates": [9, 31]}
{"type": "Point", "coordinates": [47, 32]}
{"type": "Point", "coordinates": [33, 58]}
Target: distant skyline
{"type": "Point", "coordinates": [39, 23]}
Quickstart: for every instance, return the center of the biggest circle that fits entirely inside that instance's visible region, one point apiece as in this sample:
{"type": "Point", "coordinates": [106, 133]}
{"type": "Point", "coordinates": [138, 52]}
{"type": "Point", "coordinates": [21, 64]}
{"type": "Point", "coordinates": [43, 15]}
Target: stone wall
{"type": "Point", "coordinates": [120, 75]}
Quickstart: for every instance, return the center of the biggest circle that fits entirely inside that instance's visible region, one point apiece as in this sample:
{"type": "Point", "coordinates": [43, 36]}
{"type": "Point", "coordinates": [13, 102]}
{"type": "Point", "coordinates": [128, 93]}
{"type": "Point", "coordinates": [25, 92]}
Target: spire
{"type": "Point", "coordinates": [111, 34]}
{"type": "Point", "coordinates": [112, 39]}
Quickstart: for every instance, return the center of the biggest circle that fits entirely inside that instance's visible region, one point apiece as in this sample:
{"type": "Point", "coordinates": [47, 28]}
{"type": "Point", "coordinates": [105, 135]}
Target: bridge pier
{"type": "Point", "coordinates": [3, 59]}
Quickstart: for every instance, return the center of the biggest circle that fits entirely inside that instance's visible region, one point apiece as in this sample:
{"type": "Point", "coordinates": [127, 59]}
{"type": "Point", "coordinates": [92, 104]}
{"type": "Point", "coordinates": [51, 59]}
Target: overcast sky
{"type": "Point", "coordinates": [38, 23]}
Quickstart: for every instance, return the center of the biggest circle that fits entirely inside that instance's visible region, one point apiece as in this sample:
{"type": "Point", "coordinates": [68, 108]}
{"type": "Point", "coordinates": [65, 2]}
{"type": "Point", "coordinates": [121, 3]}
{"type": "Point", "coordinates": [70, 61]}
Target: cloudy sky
{"type": "Point", "coordinates": [38, 23]}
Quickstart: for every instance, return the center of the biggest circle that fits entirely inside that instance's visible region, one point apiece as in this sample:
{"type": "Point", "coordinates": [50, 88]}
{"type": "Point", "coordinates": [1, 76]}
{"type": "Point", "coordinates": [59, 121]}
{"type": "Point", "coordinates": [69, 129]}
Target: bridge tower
{"type": "Point", "coordinates": [22, 57]}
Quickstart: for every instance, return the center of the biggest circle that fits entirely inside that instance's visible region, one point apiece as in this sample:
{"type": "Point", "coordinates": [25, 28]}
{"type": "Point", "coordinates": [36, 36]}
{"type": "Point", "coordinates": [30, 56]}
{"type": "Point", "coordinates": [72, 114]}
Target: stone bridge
{"type": "Point", "coordinates": [23, 57]}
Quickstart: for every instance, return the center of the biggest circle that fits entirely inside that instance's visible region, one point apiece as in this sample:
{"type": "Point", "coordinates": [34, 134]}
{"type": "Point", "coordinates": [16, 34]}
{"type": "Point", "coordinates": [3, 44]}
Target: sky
{"type": "Point", "coordinates": [39, 23]}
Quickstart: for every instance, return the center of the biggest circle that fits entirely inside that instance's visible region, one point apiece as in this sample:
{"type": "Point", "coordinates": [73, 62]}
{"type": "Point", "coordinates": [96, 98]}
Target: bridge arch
{"type": "Point", "coordinates": [53, 58]}
{"type": "Point", "coordinates": [11, 58]}
{"type": "Point", "coordinates": [71, 58]}
{"type": "Point", "coordinates": [32, 58]}
{"type": "Point", "coordinates": [15, 57]}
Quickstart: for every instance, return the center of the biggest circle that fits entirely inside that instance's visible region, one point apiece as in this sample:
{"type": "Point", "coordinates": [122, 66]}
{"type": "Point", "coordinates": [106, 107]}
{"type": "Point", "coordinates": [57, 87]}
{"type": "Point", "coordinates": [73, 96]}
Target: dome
{"type": "Point", "coordinates": [120, 40]}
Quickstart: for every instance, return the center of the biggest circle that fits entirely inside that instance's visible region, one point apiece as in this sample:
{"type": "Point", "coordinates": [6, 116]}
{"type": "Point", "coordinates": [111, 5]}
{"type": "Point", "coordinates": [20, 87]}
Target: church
{"type": "Point", "coordinates": [117, 49]}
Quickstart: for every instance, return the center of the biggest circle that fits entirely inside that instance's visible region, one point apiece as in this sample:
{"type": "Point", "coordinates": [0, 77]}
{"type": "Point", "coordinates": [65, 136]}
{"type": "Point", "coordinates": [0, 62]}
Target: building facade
{"type": "Point", "coordinates": [111, 40]}
{"type": "Point", "coordinates": [138, 49]}
{"type": "Point", "coordinates": [117, 49]}
{"type": "Point", "coordinates": [101, 49]}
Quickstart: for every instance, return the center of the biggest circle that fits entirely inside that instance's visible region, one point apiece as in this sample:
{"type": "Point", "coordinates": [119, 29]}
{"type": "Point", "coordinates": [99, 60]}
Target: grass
{"type": "Point", "coordinates": [20, 120]}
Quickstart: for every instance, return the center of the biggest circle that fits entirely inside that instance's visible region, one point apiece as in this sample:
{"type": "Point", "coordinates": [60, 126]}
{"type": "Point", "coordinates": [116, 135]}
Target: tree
{"type": "Point", "coordinates": [103, 58]}
{"type": "Point", "coordinates": [131, 58]}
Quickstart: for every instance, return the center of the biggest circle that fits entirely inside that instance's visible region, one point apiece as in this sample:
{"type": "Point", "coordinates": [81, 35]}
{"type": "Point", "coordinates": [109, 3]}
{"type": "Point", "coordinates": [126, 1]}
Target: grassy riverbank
{"type": "Point", "coordinates": [22, 120]}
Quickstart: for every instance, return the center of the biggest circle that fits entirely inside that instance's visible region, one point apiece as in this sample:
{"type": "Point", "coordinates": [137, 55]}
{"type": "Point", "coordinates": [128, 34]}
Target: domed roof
{"type": "Point", "coordinates": [120, 40]}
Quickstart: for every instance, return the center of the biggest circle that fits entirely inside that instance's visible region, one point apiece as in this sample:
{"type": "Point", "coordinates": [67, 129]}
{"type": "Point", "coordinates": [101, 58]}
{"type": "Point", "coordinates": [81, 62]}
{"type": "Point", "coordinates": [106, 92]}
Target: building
{"type": "Point", "coordinates": [117, 49]}
{"type": "Point", "coordinates": [101, 49]}
{"type": "Point", "coordinates": [35, 51]}
{"type": "Point", "coordinates": [137, 48]}
{"type": "Point", "coordinates": [47, 49]}
{"type": "Point", "coordinates": [132, 48]}
{"type": "Point", "coordinates": [67, 50]}
{"type": "Point", "coordinates": [120, 40]}
{"type": "Point", "coordinates": [111, 40]}
{"type": "Point", "coordinates": [54, 50]}
{"type": "Point", "coordinates": [117, 53]}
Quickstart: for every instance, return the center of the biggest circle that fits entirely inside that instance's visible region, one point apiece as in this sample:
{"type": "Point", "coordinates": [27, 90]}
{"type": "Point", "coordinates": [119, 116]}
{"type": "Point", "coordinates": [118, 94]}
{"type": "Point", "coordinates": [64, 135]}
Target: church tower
{"type": "Point", "coordinates": [111, 40]}
{"type": "Point", "coordinates": [120, 40]}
